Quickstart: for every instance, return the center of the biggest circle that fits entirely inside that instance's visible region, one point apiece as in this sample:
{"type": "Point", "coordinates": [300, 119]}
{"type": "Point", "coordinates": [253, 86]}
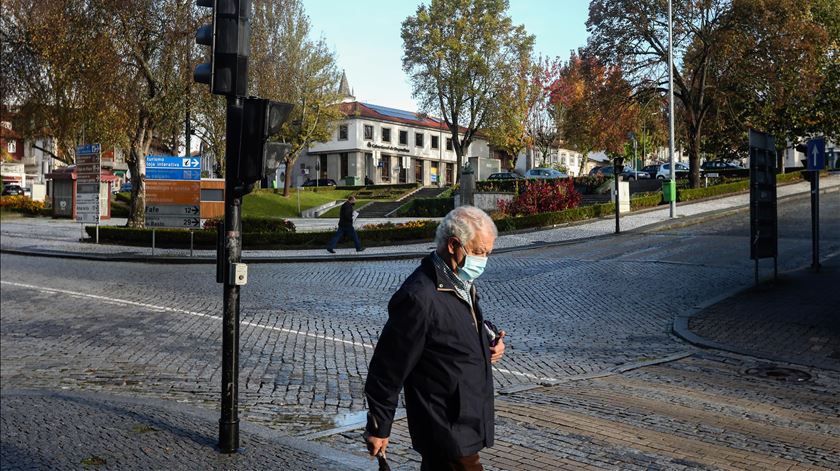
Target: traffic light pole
{"type": "Point", "coordinates": [815, 220]}
{"type": "Point", "coordinates": [232, 250]}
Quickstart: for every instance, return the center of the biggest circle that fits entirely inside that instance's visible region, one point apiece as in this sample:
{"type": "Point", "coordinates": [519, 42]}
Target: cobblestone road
{"type": "Point", "coordinates": [308, 329]}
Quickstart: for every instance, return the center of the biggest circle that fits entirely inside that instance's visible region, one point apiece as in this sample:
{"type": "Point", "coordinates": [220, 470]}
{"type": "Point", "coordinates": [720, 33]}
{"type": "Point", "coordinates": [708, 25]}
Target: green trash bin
{"type": "Point", "coordinates": [669, 191]}
{"type": "Point", "coordinates": [352, 181]}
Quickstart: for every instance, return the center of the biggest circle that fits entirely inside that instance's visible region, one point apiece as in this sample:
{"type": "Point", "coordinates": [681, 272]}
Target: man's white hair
{"type": "Point", "coordinates": [463, 222]}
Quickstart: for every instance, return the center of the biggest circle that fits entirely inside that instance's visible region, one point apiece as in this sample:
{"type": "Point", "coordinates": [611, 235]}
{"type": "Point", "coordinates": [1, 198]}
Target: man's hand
{"type": "Point", "coordinates": [376, 445]}
{"type": "Point", "coordinates": [499, 350]}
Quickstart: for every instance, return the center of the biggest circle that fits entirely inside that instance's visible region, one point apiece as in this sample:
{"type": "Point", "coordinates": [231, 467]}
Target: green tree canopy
{"type": "Point", "coordinates": [459, 55]}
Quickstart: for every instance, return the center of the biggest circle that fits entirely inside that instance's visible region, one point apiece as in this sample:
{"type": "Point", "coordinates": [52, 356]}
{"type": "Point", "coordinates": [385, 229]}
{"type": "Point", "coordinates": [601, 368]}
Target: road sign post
{"type": "Point", "coordinates": [814, 162]}
{"type": "Point", "coordinates": [88, 178]}
{"type": "Point", "coordinates": [763, 215]}
{"type": "Point", "coordinates": [173, 192]}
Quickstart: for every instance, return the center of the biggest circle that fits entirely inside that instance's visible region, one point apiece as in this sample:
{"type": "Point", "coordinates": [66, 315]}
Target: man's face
{"type": "Point", "coordinates": [481, 245]}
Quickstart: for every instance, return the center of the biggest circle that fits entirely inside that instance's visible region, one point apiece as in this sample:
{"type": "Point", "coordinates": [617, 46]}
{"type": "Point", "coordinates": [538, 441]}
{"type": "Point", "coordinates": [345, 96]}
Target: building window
{"type": "Point", "coordinates": [385, 163]}
{"type": "Point", "coordinates": [448, 143]}
{"type": "Point", "coordinates": [418, 139]}
{"type": "Point", "coordinates": [435, 142]}
{"type": "Point", "coordinates": [12, 146]}
{"type": "Point", "coordinates": [404, 138]}
{"type": "Point", "coordinates": [368, 132]}
{"type": "Point", "coordinates": [345, 164]}
{"type": "Point", "coordinates": [386, 134]}
{"type": "Point", "coordinates": [342, 132]}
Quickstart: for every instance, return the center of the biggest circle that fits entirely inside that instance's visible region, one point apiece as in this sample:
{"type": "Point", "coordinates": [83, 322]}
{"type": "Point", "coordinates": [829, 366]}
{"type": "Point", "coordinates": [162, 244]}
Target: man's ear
{"type": "Point", "coordinates": [452, 246]}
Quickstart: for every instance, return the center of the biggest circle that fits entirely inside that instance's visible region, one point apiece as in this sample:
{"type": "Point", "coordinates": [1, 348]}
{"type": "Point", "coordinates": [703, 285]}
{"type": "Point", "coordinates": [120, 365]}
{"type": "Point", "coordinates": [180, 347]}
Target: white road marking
{"type": "Point", "coordinates": [245, 323]}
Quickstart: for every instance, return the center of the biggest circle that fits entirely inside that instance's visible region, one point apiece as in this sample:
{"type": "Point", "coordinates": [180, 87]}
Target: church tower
{"type": "Point", "coordinates": [344, 90]}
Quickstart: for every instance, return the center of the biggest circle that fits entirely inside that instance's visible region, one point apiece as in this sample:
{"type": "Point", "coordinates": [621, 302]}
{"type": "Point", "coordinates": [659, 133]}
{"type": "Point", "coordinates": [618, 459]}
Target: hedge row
{"type": "Point", "coordinates": [21, 204]}
{"type": "Point", "coordinates": [397, 186]}
{"type": "Point", "coordinates": [206, 239]}
{"type": "Point", "coordinates": [426, 207]}
{"type": "Point", "coordinates": [176, 238]}
{"type": "Point", "coordinates": [689, 194]}
{"type": "Point", "coordinates": [583, 185]}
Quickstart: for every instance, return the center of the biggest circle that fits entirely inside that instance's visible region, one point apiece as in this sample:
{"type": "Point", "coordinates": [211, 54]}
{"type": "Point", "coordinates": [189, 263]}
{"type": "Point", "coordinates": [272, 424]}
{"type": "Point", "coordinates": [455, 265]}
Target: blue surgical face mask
{"type": "Point", "coordinates": [473, 266]}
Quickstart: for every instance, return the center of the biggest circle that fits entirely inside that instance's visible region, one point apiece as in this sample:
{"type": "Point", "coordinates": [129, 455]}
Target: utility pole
{"type": "Point", "coordinates": [673, 183]}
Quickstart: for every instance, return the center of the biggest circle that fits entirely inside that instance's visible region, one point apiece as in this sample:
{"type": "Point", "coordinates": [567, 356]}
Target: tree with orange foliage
{"type": "Point", "coordinates": [594, 106]}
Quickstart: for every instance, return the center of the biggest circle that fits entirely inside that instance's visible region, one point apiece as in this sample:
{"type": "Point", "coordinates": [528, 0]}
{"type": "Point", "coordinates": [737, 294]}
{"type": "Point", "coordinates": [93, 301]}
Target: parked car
{"type": "Point", "coordinates": [651, 170]}
{"type": "Point", "coordinates": [13, 190]}
{"type": "Point", "coordinates": [629, 173]}
{"type": "Point", "coordinates": [712, 165]}
{"type": "Point", "coordinates": [125, 187]}
{"type": "Point", "coordinates": [545, 173]}
{"type": "Point", "coordinates": [319, 182]}
{"type": "Point", "coordinates": [664, 173]}
{"type": "Point", "coordinates": [504, 176]}
{"type": "Point", "coordinates": [605, 170]}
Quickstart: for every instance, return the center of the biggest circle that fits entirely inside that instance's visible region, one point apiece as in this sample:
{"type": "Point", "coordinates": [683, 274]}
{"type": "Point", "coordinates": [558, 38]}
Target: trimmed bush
{"type": "Point", "coordinates": [645, 200]}
{"type": "Point", "coordinates": [119, 209]}
{"type": "Point", "coordinates": [21, 204]}
{"type": "Point", "coordinates": [541, 196]}
{"type": "Point", "coordinates": [550, 219]}
{"type": "Point", "coordinates": [426, 207]}
{"type": "Point", "coordinates": [206, 239]}
{"type": "Point", "coordinates": [256, 225]}
{"type": "Point", "coordinates": [398, 186]}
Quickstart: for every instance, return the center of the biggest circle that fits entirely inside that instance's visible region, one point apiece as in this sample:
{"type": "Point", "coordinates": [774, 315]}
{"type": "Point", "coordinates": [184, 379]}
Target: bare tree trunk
{"type": "Point", "coordinates": [140, 143]}
{"type": "Point", "coordinates": [287, 183]}
{"type": "Point", "coordinates": [694, 157]}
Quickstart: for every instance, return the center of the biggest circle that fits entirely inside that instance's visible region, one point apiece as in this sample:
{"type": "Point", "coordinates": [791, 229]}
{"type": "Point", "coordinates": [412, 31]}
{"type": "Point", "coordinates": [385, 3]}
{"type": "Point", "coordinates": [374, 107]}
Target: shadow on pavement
{"type": "Point", "coordinates": [795, 320]}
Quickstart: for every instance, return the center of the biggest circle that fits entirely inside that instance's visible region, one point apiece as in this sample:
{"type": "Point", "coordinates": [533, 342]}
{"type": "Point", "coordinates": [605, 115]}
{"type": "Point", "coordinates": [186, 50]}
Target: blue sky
{"type": "Point", "coordinates": [365, 35]}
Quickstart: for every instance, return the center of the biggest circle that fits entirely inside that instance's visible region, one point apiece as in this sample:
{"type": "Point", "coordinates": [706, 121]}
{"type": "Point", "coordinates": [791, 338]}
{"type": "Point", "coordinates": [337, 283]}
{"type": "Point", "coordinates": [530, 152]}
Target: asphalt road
{"type": "Point", "coordinates": [308, 329]}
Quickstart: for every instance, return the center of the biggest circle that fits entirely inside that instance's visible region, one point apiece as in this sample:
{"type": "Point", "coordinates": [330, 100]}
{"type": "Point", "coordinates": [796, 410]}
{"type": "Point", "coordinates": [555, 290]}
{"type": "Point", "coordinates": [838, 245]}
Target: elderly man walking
{"type": "Point", "coordinates": [345, 226]}
{"type": "Point", "coordinates": [438, 347]}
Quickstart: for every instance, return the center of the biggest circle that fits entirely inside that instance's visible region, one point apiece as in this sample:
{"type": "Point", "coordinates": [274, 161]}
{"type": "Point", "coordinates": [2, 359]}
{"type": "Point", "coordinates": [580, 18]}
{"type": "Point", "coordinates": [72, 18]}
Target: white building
{"type": "Point", "coordinates": [555, 156]}
{"type": "Point", "coordinates": [386, 146]}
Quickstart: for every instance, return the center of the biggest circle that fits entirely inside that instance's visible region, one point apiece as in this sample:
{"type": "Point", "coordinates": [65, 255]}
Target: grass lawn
{"type": "Point", "coordinates": [268, 204]}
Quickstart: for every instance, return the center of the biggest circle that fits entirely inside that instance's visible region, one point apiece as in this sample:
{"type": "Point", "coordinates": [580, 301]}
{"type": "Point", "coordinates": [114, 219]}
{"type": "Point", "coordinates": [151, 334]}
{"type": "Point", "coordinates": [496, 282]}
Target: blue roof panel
{"type": "Point", "coordinates": [392, 112]}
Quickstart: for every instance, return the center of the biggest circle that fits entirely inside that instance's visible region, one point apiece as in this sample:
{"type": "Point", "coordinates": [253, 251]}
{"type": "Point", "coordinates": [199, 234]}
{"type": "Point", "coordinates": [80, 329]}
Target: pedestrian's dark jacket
{"type": "Point", "coordinates": [346, 218]}
{"type": "Point", "coordinates": [431, 346]}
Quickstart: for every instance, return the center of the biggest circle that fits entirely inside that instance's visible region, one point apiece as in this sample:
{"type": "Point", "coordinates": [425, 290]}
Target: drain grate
{"type": "Point", "coordinates": [778, 373]}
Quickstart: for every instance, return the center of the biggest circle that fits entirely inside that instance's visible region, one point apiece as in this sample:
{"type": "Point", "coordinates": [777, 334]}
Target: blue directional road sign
{"type": "Point", "coordinates": [173, 168]}
{"type": "Point", "coordinates": [815, 154]}
{"type": "Point", "coordinates": [88, 149]}
{"type": "Point", "coordinates": [172, 174]}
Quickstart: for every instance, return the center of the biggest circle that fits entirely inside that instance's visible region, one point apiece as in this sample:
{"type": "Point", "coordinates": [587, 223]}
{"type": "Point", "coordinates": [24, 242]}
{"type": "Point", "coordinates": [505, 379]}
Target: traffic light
{"type": "Point", "coordinates": [228, 37]}
{"type": "Point", "coordinates": [618, 163]}
{"type": "Point", "coordinates": [261, 119]}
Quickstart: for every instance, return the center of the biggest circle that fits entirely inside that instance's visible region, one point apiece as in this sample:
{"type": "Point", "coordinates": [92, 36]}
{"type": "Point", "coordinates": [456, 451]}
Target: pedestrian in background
{"type": "Point", "coordinates": [436, 346]}
{"type": "Point", "coordinates": [345, 226]}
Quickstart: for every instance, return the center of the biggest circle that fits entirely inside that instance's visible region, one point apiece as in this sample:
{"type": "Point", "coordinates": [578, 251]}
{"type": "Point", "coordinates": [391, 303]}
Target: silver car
{"type": "Point", "coordinates": [545, 173]}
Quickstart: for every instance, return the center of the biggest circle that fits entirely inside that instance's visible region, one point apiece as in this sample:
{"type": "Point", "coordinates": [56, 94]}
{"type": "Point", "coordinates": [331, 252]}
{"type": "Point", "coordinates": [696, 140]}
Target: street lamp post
{"type": "Point", "coordinates": [673, 203]}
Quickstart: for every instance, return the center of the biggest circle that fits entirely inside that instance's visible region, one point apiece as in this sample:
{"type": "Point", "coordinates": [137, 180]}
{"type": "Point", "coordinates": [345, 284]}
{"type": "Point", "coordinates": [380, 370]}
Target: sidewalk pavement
{"type": "Point", "coordinates": [100, 431]}
{"type": "Point", "coordinates": [794, 320]}
{"type": "Point", "coordinates": [48, 237]}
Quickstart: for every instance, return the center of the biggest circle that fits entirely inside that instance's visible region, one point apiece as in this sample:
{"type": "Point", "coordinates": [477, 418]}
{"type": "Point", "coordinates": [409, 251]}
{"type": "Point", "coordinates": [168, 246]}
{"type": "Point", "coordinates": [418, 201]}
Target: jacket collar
{"type": "Point", "coordinates": [445, 278]}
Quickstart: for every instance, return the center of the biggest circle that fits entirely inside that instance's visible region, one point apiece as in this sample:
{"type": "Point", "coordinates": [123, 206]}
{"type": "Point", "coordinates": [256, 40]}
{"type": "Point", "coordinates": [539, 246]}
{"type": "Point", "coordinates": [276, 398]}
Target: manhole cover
{"type": "Point", "coordinates": [779, 374]}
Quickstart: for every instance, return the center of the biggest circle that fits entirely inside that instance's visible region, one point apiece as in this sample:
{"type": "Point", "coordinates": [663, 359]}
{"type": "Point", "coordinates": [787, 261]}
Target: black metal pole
{"type": "Point", "coordinates": [815, 220]}
{"type": "Point", "coordinates": [229, 421]}
{"type": "Point", "coordinates": [617, 205]}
